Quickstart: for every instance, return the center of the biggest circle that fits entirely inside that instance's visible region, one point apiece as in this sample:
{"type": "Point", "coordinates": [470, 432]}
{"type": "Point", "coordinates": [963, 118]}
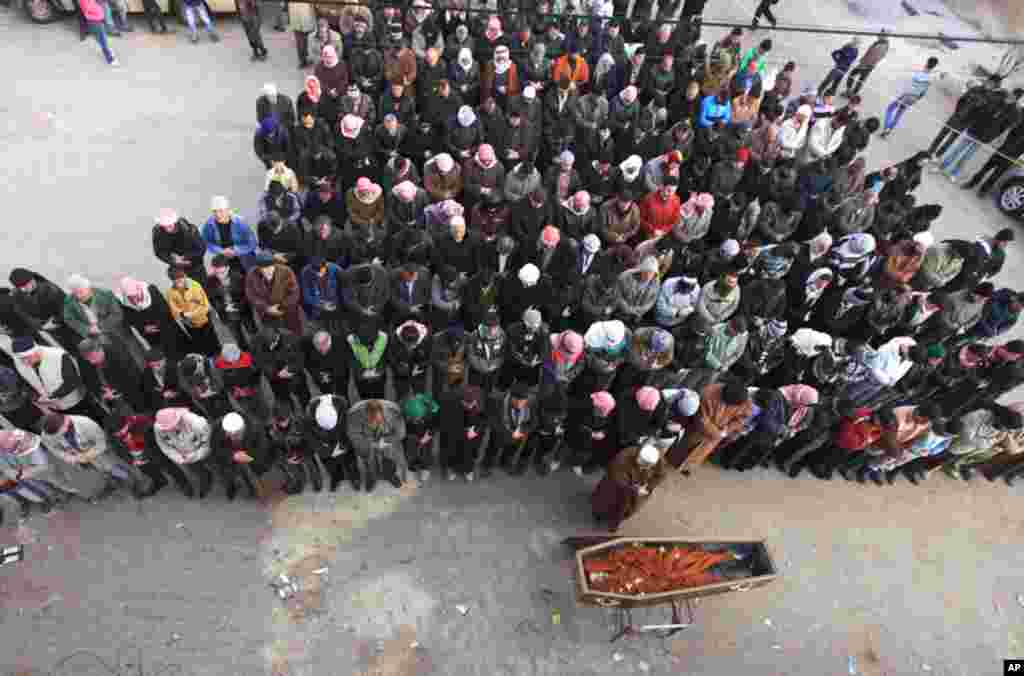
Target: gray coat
{"type": "Point", "coordinates": [371, 446]}
{"type": "Point", "coordinates": [635, 298]}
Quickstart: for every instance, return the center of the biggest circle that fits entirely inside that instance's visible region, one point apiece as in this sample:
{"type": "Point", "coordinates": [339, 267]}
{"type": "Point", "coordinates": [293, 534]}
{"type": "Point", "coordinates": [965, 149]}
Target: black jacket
{"type": "Point", "coordinates": [254, 442]}
{"type": "Point", "coordinates": [164, 394]}
{"type": "Point", "coordinates": [287, 353]}
{"type": "Point", "coordinates": [184, 241]}
{"type": "Point", "coordinates": [118, 372]}
{"type": "Point", "coordinates": [46, 302]}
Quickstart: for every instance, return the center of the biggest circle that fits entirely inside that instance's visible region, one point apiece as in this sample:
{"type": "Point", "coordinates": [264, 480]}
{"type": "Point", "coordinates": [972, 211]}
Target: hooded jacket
{"type": "Point", "coordinates": [636, 297]}
{"type": "Point", "coordinates": [714, 308]}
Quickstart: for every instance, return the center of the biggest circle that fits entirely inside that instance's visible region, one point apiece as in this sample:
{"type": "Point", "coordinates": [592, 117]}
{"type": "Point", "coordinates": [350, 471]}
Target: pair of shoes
{"type": "Point", "coordinates": [967, 473]}
{"type": "Point", "coordinates": [952, 179]}
{"type": "Point", "coordinates": [485, 471]}
{"type": "Point", "coordinates": [424, 475]}
{"type": "Point", "coordinates": [395, 481]}
{"type": "Point", "coordinates": [255, 56]}
{"type": "Point", "coordinates": [194, 37]}
{"type": "Point", "coordinates": [795, 470]}
{"type": "Point", "coordinates": [451, 475]}
{"type": "Point", "coordinates": [214, 37]}
{"type": "Point", "coordinates": [115, 63]}
{"type": "Point", "coordinates": [970, 185]}
{"type": "Point", "coordinates": [577, 470]}
{"type": "Point", "coordinates": [470, 477]}
{"type": "Point", "coordinates": [231, 491]}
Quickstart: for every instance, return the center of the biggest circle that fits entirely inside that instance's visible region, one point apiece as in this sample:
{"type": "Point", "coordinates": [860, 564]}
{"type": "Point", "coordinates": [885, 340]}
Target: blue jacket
{"type": "Point", "coordinates": [712, 111]}
{"type": "Point", "coordinates": [844, 57]}
{"type": "Point", "coordinates": [242, 234]}
{"type": "Point", "coordinates": [996, 318]}
{"type": "Point", "coordinates": [313, 296]}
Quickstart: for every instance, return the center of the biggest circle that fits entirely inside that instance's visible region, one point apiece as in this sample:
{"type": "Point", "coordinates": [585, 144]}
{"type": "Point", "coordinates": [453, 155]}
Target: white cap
{"type": "Point", "coordinates": [529, 92]}
{"type": "Point", "coordinates": [232, 423]}
{"type": "Point", "coordinates": [592, 243]}
{"type": "Point", "coordinates": [615, 331]}
{"type": "Point", "coordinates": [219, 202]}
{"type": "Point", "coordinates": [270, 89]}
{"type": "Point", "coordinates": [688, 403]}
{"type": "Point", "coordinates": [529, 274]}
{"type": "Point", "coordinates": [566, 156]}
{"type": "Point", "coordinates": [805, 110]}
{"type": "Point", "coordinates": [76, 282]}
{"type": "Point", "coordinates": [926, 238]}
{"type": "Point", "coordinates": [648, 264]}
{"type": "Point", "coordinates": [444, 162]}
{"type": "Point", "coordinates": [326, 415]}
{"type": "Point", "coordinates": [649, 455]}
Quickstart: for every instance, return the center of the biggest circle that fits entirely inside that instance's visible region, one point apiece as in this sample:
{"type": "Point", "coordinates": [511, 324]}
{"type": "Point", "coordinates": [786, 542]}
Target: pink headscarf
{"type": "Point", "coordinates": [800, 398]}
{"type": "Point", "coordinates": [132, 288]}
{"type": "Point", "coordinates": [550, 235]}
{"type": "Point", "coordinates": [629, 94]}
{"type": "Point", "coordinates": [313, 90]}
{"type": "Point", "coordinates": [493, 31]}
{"type": "Point", "coordinates": [406, 191]}
{"type": "Point", "coordinates": [603, 402]}
{"type": "Point", "coordinates": [168, 418]}
{"type": "Point", "coordinates": [704, 201]}
{"type": "Point", "coordinates": [485, 156]}
{"type": "Point", "coordinates": [167, 217]}
{"type": "Point", "coordinates": [648, 398]}
{"type": "Point", "coordinates": [329, 56]}
{"type": "Point", "coordinates": [567, 347]}
{"type": "Point", "coordinates": [351, 125]}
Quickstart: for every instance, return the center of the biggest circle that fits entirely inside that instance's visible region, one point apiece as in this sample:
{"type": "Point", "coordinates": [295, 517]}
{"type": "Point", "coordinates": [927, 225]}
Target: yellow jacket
{"type": "Point", "coordinates": [192, 300]}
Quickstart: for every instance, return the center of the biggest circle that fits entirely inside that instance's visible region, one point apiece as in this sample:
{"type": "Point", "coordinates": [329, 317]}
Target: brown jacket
{"type": "Point", "coordinates": [617, 496]}
{"type": "Point", "coordinates": [363, 214]}
{"type": "Point", "coordinates": [442, 186]}
{"type": "Point", "coordinates": [282, 290]}
{"type": "Point", "coordinates": [487, 78]}
{"type": "Point", "coordinates": [715, 420]}
{"type": "Point", "coordinates": [400, 68]}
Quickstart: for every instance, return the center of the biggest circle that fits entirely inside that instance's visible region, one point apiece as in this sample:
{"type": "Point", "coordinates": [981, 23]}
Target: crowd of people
{"type": "Point", "coordinates": [591, 257]}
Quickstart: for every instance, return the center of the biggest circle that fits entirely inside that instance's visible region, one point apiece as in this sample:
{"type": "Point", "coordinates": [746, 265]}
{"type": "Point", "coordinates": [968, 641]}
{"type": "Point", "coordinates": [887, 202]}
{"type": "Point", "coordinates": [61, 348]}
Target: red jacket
{"type": "Point", "coordinates": [658, 215]}
{"type": "Point", "coordinates": [859, 432]}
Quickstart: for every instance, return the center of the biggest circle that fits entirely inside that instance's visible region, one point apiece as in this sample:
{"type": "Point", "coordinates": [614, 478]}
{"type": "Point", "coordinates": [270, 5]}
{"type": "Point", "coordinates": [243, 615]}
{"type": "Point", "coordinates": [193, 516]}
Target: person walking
{"type": "Point", "coordinates": [252, 22]}
{"type": "Point", "coordinates": [302, 22]}
{"type": "Point", "coordinates": [918, 87]}
{"type": "Point", "coordinates": [95, 16]}
{"type": "Point", "coordinates": [764, 9]}
{"type": "Point", "coordinates": [878, 50]}
{"type": "Point", "coordinates": [198, 7]}
{"type": "Point", "coordinates": [842, 59]}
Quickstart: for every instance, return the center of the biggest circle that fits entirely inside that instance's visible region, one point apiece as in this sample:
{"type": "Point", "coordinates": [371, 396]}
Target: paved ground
{"type": "Point", "coordinates": [873, 581]}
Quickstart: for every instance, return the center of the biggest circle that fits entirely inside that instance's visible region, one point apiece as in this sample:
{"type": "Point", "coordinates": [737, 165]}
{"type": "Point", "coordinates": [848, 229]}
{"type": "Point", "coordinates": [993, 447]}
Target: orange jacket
{"type": "Point", "coordinates": [580, 72]}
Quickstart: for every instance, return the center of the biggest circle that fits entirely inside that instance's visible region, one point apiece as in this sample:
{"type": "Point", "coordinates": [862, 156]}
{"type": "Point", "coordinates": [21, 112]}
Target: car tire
{"type": "Point", "coordinates": [41, 11]}
{"type": "Point", "coordinates": [1010, 198]}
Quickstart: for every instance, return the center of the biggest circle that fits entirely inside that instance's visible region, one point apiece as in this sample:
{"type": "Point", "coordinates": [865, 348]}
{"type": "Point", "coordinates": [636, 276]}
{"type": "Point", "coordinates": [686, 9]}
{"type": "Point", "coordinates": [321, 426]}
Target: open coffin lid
{"type": "Point", "coordinates": [754, 568]}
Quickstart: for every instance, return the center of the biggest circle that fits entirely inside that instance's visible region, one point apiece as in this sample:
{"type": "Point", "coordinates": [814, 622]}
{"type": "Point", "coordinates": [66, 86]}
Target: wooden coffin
{"type": "Point", "coordinates": [755, 569]}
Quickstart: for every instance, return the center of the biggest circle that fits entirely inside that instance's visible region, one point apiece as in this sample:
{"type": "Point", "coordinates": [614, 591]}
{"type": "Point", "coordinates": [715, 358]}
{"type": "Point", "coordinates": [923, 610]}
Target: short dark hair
{"type": "Point", "coordinates": [929, 410]}
{"type": "Point", "coordinates": [1005, 235]}
{"type": "Point", "coordinates": [872, 124]}
{"type": "Point", "coordinates": [734, 394]}
{"type": "Point", "coordinates": [766, 45]}
{"type": "Point", "coordinates": [932, 62]}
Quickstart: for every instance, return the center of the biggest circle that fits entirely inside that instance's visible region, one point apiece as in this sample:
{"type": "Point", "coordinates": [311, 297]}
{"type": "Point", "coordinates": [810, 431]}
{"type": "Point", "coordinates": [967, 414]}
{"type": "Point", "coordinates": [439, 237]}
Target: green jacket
{"type": "Point", "coordinates": [103, 304]}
